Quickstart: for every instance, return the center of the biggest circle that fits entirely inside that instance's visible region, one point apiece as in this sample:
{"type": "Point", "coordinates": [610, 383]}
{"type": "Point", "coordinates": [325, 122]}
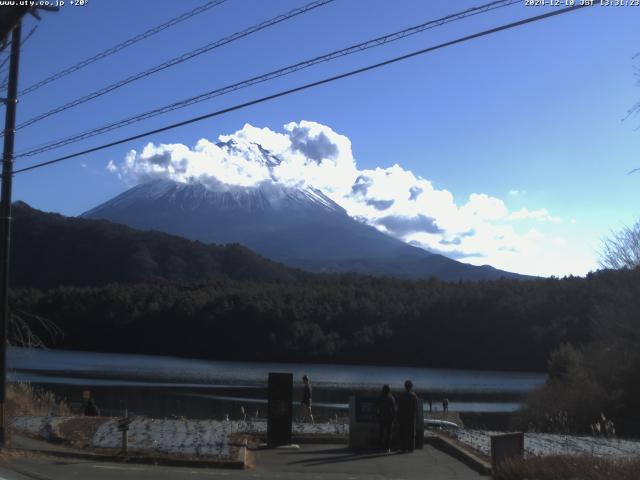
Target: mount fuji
{"type": "Point", "coordinates": [300, 227]}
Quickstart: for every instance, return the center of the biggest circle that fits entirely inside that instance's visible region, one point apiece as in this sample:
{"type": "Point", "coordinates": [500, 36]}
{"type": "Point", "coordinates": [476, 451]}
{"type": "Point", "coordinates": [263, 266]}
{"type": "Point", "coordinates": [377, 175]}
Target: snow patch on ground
{"type": "Point", "coordinates": [260, 426]}
{"type": "Point", "coordinates": [44, 427]}
{"type": "Point", "coordinates": [34, 425]}
{"type": "Point", "coordinates": [202, 438]}
{"type": "Point", "coordinates": [215, 438]}
{"type": "Point", "coordinates": [554, 444]}
{"type": "Point", "coordinates": [199, 438]}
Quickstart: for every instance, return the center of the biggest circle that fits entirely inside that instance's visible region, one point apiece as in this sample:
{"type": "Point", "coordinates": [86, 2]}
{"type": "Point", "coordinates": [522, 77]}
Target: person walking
{"type": "Point", "coordinates": [386, 415]}
{"type": "Point", "coordinates": [306, 400]}
{"type": "Point", "coordinates": [407, 417]}
{"type": "Point", "coordinates": [445, 405]}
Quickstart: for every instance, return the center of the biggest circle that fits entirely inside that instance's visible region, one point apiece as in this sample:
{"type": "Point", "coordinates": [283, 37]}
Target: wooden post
{"type": "Point", "coordinates": [5, 216]}
{"type": "Point", "coordinates": [125, 440]}
{"type": "Point", "coordinates": [123, 426]}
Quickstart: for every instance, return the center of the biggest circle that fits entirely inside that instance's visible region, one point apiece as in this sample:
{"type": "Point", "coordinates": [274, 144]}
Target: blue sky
{"type": "Point", "coordinates": [531, 117]}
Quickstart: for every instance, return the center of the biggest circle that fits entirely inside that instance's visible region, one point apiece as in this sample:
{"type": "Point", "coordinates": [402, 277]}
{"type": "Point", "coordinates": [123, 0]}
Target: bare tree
{"type": "Point", "coordinates": [622, 249]}
{"type": "Point", "coordinates": [21, 333]}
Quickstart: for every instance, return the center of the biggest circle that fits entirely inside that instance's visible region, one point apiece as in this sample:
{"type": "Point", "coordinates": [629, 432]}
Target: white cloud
{"type": "Point", "coordinates": [542, 215]}
{"type": "Point", "coordinates": [481, 230]}
{"type": "Point", "coordinates": [484, 207]}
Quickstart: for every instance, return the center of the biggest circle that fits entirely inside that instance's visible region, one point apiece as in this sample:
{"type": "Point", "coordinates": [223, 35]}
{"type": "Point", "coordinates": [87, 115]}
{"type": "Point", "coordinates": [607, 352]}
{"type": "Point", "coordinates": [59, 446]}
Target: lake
{"type": "Point", "coordinates": [164, 386]}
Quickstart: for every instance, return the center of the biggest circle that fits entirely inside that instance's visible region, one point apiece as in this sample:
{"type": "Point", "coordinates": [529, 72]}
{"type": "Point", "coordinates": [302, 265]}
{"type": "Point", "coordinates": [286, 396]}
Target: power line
{"type": "Point", "coordinates": [269, 76]}
{"type": "Point", "coordinates": [310, 85]}
{"type": "Point", "coordinates": [4, 44]}
{"type": "Point", "coordinates": [3, 68]}
{"type": "Point", "coordinates": [177, 60]}
{"type": "Point", "coordinates": [123, 45]}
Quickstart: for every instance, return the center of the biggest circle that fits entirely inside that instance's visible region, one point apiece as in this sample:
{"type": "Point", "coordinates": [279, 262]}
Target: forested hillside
{"type": "Point", "coordinates": [49, 250]}
{"type": "Point", "coordinates": [505, 324]}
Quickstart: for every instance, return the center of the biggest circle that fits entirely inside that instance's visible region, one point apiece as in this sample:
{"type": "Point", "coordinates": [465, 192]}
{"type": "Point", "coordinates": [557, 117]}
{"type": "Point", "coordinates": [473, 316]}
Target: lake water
{"type": "Point", "coordinates": [157, 385]}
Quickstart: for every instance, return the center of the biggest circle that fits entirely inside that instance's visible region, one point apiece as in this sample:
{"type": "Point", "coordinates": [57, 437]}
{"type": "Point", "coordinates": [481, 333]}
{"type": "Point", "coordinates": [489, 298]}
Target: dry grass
{"type": "Point", "coordinates": [7, 456]}
{"type": "Point", "coordinates": [250, 461]}
{"type": "Point", "coordinates": [565, 467]}
{"type": "Point", "coordinates": [25, 399]}
{"type": "Point", "coordinates": [78, 432]}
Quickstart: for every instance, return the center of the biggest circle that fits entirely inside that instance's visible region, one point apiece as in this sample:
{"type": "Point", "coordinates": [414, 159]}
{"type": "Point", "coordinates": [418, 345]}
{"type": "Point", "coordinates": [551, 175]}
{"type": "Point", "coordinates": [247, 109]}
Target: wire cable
{"type": "Point", "coordinates": [123, 45]}
{"type": "Point", "coordinates": [4, 68]}
{"type": "Point", "coordinates": [268, 76]}
{"type": "Point", "coordinates": [177, 60]}
{"type": "Point", "coordinates": [310, 85]}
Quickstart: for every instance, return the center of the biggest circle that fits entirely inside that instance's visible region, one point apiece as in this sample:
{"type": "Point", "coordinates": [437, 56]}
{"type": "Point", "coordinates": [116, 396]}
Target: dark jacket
{"type": "Point", "coordinates": [386, 408]}
{"type": "Point", "coordinates": [306, 395]}
{"type": "Point", "coordinates": [407, 408]}
{"type": "Point", "coordinates": [91, 409]}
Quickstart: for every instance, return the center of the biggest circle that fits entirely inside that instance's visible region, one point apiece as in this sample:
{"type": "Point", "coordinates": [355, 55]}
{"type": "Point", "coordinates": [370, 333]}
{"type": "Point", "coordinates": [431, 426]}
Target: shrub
{"type": "Point", "coordinates": [24, 399]}
{"type": "Point", "coordinates": [561, 467]}
{"type": "Point", "coordinates": [570, 402]}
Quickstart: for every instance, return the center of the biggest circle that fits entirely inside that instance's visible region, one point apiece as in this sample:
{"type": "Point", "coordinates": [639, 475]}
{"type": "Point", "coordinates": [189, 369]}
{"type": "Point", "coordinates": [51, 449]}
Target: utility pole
{"type": "Point", "coordinates": [5, 216]}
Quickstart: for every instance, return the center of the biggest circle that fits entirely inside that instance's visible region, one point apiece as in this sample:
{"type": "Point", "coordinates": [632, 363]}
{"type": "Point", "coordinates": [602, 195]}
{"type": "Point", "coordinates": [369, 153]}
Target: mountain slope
{"type": "Point", "coordinates": [50, 250]}
{"type": "Point", "coordinates": [299, 227]}
{"type": "Point", "coordinates": [286, 224]}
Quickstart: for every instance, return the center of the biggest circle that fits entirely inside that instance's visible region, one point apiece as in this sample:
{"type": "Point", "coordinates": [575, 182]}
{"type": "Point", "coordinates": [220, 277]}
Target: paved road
{"type": "Point", "coordinates": [329, 462]}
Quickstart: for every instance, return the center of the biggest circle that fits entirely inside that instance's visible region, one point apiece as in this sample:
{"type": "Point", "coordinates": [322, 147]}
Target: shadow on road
{"type": "Point", "coordinates": [336, 455]}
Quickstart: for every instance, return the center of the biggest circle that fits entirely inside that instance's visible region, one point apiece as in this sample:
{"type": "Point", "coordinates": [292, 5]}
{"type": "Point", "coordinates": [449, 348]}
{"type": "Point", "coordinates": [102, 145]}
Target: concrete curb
{"type": "Point", "coordinates": [238, 464]}
{"type": "Point", "coordinates": [321, 439]}
{"type": "Point", "coordinates": [318, 439]}
{"type": "Point", "coordinates": [451, 448]}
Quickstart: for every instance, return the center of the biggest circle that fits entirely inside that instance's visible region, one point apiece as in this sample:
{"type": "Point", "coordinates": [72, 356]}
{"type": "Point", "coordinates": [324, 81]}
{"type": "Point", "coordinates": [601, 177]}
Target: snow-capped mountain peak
{"type": "Point", "coordinates": [251, 151]}
{"type": "Point", "coordinates": [266, 196]}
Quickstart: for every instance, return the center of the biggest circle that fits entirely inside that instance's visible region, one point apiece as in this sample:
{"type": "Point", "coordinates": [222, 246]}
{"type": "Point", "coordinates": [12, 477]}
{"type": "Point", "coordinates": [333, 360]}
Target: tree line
{"type": "Point", "coordinates": [505, 324]}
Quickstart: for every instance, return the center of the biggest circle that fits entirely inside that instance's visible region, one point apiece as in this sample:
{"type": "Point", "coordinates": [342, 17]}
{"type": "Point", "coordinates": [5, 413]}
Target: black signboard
{"type": "Point", "coordinates": [279, 416]}
{"type": "Point", "coordinates": [366, 409]}
{"type": "Point", "coordinates": [505, 446]}
{"type": "Point", "coordinates": [123, 424]}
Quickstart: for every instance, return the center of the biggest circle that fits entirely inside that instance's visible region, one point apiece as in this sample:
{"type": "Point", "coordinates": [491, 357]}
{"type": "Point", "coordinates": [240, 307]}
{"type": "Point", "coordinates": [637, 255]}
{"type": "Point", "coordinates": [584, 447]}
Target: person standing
{"type": "Point", "coordinates": [386, 415]}
{"type": "Point", "coordinates": [445, 405]}
{"type": "Point", "coordinates": [407, 417]}
{"type": "Point", "coordinates": [306, 400]}
{"type": "Point", "coordinates": [91, 409]}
